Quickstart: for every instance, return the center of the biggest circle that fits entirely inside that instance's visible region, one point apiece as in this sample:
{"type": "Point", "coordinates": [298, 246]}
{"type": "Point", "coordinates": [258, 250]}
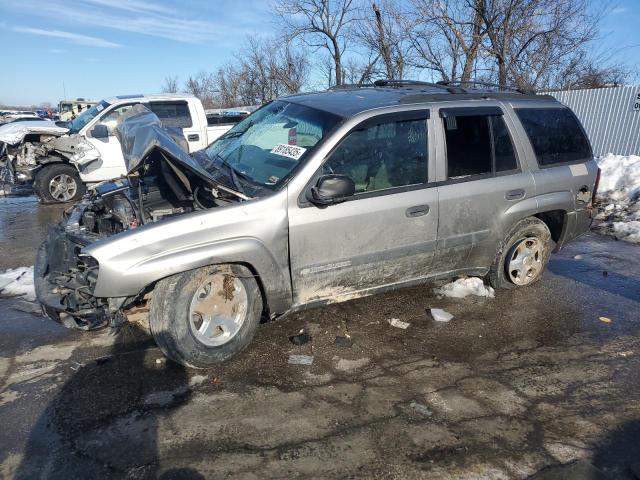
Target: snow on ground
{"type": "Point", "coordinates": [18, 282]}
{"type": "Point", "coordinates": [464, 287]}
{"type": "Point", "coordinates": [619, 197]}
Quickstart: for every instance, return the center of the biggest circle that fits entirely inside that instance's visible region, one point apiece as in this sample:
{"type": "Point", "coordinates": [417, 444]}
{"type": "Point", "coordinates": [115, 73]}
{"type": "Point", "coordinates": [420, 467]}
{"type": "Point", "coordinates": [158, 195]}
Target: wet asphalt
{"type": "Point", "coordinates": [528, 384]}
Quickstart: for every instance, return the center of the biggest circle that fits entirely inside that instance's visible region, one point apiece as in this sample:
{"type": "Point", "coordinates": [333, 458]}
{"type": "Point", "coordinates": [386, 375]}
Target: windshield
{"type": "Point", "coordinates": [266, 147]}
{"type": "Point", "coordinates": [79, 122]}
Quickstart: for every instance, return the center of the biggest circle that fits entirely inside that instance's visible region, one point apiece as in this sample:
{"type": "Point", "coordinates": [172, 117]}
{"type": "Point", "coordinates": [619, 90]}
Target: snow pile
{"type": "Point", "coordinates": [464, 287]}
{"type": "Point", "coordinates": [18, 282]}
{"type": "Point", "coordinates": [618, 196]}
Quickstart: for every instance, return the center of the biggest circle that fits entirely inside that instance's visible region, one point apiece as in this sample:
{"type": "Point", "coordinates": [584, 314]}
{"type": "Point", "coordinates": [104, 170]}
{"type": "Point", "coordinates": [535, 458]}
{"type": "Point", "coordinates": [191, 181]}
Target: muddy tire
{"type": "Point", "coordinates": [203, 317]}
{"type": "Point", "coordinates": [58, 183]}
{"type": "Point", "coordinates": [522, 256]}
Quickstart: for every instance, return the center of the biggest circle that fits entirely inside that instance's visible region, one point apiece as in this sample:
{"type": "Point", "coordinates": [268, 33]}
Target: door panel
{"type": "Point", "coordinates": [483, 183]}
{"type": "Point", "coordinates": [386, 232]}
{"type": "Point", "coordinates": [361, 244]}
{"type": "Point", "coordinates": [473, 219]}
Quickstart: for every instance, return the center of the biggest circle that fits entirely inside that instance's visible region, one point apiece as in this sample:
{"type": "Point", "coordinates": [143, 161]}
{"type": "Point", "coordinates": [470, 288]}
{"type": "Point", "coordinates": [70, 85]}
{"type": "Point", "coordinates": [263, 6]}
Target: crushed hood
{"type": "Point", "coordinates": [141, 134]}
{"type": "Point", "coordinates": [14, 133]}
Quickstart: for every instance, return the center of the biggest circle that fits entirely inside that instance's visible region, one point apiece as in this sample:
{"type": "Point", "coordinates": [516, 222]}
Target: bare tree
{"type": "Point", "coordinates": [170, 85]}
{"type": "Point", "coordinates": [384, 33]}
{"type": "Point", "coordinates": [203, 86]}
{"type": "Point", "coordinates": [322, 24]}
{"type": "Point", "coordinates": [530, 40]}
{"type": "Point", "coordinates": [447, 36]}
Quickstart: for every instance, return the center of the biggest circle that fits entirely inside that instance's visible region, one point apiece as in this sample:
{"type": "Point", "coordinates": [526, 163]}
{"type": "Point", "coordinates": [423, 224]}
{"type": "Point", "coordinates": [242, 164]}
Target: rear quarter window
{"type": "Point", "coordinates": [555, 135]}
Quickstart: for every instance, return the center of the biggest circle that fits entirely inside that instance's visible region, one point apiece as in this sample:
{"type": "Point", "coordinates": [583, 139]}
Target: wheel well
{"type": "Point", "coordinates": [555, 220]}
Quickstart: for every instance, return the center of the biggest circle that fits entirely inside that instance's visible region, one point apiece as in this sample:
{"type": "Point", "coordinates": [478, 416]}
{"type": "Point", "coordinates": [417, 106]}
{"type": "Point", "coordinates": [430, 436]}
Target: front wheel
{"type": "Point", "coordinates": [523, 255]}
{"type": "Point", "coordinates": [203, 317]}
{"type": "Point", "coordinates": [58, 183]}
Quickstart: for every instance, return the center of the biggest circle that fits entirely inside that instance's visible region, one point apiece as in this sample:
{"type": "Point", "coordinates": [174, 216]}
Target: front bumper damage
{"type": "Point", "coordinates": [64, 280]}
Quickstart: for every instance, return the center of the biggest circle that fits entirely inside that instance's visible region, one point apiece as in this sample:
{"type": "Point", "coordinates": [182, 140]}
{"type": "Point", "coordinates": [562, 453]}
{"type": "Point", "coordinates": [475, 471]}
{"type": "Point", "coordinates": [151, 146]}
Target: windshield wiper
{"type": "Point", "coordinates": [233, 175]}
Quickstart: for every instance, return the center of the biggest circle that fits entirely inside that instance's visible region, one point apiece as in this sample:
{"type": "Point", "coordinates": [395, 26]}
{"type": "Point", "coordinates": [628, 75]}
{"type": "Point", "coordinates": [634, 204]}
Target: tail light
{"type": "Point", "coordinates": [595, 187]}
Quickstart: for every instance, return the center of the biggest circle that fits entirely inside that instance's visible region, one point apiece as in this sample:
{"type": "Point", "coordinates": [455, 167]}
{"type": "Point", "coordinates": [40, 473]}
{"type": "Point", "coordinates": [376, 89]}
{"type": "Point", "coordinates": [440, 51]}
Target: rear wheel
{"type": "Point", "coordinates": [523, 256]}
{"type": "Point", "coordinates": [203, 317]}
{"type": "Point", "coordinates": [58, 183]}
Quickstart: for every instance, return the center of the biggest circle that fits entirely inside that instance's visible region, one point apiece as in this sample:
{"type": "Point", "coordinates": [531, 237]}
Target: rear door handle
{"type": "Point", "coordinates": [193, 137]}
{"type": "Point", "coordinates": [417, 211]}
{"type": "Point", "coordinates": [516, 194]}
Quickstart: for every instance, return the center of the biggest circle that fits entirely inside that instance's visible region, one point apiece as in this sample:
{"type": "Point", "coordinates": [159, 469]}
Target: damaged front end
{"type": "Point", "coordinates": [163, 182]}
{"type": "Point", "coordinates": [25, 151]}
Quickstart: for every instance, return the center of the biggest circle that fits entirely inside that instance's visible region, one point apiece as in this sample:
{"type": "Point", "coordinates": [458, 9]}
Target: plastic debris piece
{"type": "Point", "coordinates": [577, 257]}
{"type": "Point", "coordinates": [344, 342]}
{"type": "Point", "coordinates": [300, 339]}
{"type": "Point", "coordinates": [395, 322]}
{"type": "Point", "coordinates": [300, 359]}
{"type": "Point", "coordinates": [440, 315]}
{"type": "Point", "coordinates": [421, 409]}
{"type": "Point", "coordinates": [604, 319]}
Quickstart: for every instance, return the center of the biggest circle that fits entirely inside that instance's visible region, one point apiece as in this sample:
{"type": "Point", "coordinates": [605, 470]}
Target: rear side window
{"type": "Point", "coordinates": [477, 145]}
{"type": "Point", "coordinates": [172, 114]}
{"type": "Point", "coordinates": [555, 134]}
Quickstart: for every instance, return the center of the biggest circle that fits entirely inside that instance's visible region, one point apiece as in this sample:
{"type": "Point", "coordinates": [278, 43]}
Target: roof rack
{"type": "Point", "coordinates": [473, 83]}
{"type": "Point", "coordinates": [404, 83]}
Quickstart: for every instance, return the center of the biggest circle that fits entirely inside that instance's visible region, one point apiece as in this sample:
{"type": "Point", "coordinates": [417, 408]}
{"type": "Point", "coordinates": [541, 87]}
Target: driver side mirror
{"type": "Point", "coordinates": [331, 189]}
{"type": "Point", "coordinates": [100, 131]}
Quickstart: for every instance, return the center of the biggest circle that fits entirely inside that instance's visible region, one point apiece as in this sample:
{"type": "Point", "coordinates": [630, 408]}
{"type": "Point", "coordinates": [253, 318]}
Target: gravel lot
{"type": "Point", "coordinates": [530, 383]}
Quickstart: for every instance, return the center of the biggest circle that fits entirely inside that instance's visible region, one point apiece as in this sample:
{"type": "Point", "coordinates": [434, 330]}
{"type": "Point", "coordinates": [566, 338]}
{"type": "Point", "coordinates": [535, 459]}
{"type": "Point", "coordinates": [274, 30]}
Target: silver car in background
{"type": "Point", "coordinates": [319, 198]}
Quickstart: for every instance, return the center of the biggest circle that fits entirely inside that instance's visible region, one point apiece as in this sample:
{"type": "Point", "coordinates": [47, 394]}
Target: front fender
{"type": "Point", "coordinates": [254, 234]}
{"type": "Point", "coordinates": [248, 251]}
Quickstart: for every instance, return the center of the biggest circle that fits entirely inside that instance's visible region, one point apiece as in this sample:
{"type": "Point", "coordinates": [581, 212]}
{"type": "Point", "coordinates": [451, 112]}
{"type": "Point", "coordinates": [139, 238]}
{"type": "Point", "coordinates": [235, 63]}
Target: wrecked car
{"type": "Point", "coordinates": [61, 165]}
{"type": "Point", "coordinates": [319, 198]}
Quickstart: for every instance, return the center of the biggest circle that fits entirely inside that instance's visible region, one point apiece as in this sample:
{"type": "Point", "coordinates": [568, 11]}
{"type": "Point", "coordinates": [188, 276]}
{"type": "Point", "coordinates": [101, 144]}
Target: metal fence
{"type": "Point", "coordinates": [611, 117]}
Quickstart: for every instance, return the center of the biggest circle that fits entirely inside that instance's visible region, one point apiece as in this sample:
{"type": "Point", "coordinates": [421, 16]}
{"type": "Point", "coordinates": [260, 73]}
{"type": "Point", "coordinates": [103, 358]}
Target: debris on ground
{"type": "Point", "coordinates": [27, 307]}
{"type": "Point", "coordinates": [301, 338]}
{"type": "Point", "coordinates": [300, 359]}
{"type": "Point", "coordinates": [346, 365]}
{"type": "Point", "coordinates": [464, 287]}
{"type": "Point", "coordinates": [440, 315]}
{"type": "Point", "coordinates": [18, 282]}
{"type": "Point", "coordinates": [395, 322]}
{"type": "Point", "coordinates": [421, 409]}
{"type": "Point", "coordinates": [343, 342]}
{"type": "Point", "coordinates": [160, 361]}
{"type": "Point", "coordinates": [604, 319]}
{"type": "Point", "coordinates": [577, 257]}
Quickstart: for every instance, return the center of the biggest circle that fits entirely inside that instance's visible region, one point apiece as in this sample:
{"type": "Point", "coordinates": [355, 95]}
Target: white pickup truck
{"type": "Point", "coordinates": [60, 165]}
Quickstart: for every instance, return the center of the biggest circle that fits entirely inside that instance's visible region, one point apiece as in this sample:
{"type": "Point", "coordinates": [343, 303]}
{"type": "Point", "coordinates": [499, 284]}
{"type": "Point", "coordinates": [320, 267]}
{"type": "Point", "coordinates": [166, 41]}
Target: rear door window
{"type": "Point", "coordinates": [555, 134]}
{"type": "Point", "coordinates": [172, 114]}
{"type": "Point", "coordinates": [477, 144]}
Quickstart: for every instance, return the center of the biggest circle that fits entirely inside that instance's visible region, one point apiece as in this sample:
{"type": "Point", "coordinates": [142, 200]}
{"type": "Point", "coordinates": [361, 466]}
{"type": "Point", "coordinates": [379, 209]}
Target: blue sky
{"type": "Point", "coordinates": [100, 48]}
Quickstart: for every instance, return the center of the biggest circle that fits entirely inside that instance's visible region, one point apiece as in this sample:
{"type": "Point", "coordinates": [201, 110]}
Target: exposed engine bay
{"type": "Point", "coordinates": [163, 182]}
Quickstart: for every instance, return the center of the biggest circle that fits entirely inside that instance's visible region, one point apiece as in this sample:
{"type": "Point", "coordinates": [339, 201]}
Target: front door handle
{"type": "Point", "coordinates": [516, 194]}
{"type": "Point", "coordinates": [417, 211]}
{"type": "Point", "coordinates": [194, 137]}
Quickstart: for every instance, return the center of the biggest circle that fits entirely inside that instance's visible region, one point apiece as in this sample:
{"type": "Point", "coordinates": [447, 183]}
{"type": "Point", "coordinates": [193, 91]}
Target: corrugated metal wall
{"type": "Point", "coordinates": [613, 126]}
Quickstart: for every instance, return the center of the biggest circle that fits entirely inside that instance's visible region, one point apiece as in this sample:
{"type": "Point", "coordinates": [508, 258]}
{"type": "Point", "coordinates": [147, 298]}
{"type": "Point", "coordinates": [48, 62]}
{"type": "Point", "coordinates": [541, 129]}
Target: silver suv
{"type": "Point", "coordinates": [319, 198]}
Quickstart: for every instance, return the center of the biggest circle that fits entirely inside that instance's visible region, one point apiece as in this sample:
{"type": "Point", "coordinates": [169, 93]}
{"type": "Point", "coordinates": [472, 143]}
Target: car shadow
{"type": "Point", "coordinates": [104, 421]}
{"type": "Point", "coordinates": [596, 276]}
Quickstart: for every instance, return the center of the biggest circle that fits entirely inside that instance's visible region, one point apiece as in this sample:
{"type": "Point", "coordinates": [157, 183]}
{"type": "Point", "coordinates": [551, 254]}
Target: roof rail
{"type": "Point", "coordinates": [473, 83]}
{"type": "Point", "coordinates": [350, 85]}
{"type": "Point", "coordinates": [404, 83]}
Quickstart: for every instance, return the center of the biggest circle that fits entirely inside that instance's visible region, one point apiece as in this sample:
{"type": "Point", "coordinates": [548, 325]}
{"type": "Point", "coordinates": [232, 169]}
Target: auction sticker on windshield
{"type": "Point", "coordinates": [291, 151]}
